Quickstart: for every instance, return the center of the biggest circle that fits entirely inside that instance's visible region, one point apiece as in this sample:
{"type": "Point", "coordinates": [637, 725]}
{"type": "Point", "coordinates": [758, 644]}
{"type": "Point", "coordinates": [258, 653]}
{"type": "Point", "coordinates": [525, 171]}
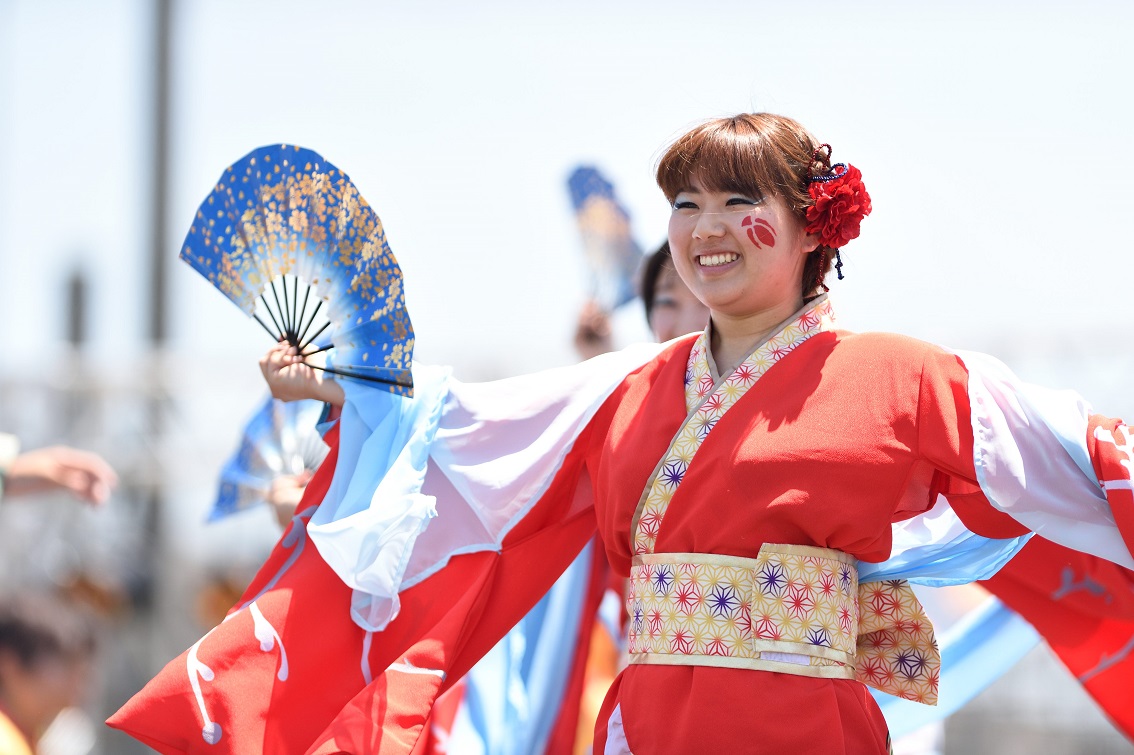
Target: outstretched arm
{"type": "Point", "coordinates": [1039, 456]}
{"type": "Point", "coordinates": [291, 379]}
{"type": "Point", "coordinates": [83, 474]}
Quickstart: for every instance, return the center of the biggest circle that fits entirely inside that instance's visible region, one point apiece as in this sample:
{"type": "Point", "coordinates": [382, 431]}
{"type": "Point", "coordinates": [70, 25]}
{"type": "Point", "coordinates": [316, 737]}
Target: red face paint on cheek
{"type": "Point", "coordinates": [760, 232]}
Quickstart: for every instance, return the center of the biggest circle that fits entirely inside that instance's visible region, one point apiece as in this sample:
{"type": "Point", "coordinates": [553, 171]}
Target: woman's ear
{"type": "Point", "coordinates": [810, 243]}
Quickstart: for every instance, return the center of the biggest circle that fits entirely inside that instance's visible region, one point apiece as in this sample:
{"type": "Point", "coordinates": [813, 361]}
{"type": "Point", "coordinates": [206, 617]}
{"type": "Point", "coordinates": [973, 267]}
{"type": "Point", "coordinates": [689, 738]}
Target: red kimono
{"type": "Point", "coordinates": [822, 438]}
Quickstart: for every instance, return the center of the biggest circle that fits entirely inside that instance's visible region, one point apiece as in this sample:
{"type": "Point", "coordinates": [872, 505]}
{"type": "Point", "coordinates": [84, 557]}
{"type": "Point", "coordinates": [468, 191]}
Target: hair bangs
{"type": "Point", "coordinates": [752, 154]}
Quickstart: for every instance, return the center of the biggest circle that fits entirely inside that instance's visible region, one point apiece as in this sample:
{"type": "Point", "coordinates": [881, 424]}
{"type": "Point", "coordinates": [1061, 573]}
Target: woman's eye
{"type": "Point", "coordinates": [684, 205]}
{"type": "Point", "coordinates": [742, 202]}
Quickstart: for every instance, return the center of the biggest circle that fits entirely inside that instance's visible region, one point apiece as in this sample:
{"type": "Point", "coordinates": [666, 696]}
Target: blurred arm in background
{"type": "Point", "coordinates": [285, 494]}
{"type": "Point", "coordinates": [83, 474]}
{"type": "Point", "coordinates": [592, 331]}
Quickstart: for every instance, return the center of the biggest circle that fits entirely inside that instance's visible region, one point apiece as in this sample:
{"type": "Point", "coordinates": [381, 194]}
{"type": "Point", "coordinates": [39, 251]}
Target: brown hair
{"type": "Point", "coordinates": [651, 274]}
{"type": "Point", "coordinates": [35, 626]}
{"type": "Point", "coordinates": [757, 154]}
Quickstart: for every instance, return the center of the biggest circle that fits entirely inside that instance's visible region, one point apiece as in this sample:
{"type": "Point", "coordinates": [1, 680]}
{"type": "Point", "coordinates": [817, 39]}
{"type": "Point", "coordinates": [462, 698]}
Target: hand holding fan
{"type": "Point", "coordinates": [287, 237]}
{"type": "Point", "coordinates": [280, 439]}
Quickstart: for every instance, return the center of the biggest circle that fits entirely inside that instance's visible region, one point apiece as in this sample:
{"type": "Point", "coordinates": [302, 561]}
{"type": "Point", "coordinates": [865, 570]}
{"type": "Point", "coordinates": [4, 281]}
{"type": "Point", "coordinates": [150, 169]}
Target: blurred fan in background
{"type": "Point", "coordinates": [611, 253]}
{"type": "Point", "coordinates": [280, 448]}
{"type": "Point", "coordinates": [618, 271]}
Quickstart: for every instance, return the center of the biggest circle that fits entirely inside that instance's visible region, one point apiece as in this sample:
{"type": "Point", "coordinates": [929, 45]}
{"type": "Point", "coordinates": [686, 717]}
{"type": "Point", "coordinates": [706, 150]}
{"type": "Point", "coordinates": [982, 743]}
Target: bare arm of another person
{"type": "Point", "coordinates": [83, 474]}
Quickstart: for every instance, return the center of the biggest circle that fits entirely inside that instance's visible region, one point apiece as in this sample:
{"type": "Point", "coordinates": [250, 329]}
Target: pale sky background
{"type": "Point", "coordinates": [992, 136]}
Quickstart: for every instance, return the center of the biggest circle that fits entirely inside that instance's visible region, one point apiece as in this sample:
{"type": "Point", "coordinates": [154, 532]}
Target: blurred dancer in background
{"type": "Point", "coordinates": [671, 308]}
{"type": "Point", "coordinates": [46, 649]}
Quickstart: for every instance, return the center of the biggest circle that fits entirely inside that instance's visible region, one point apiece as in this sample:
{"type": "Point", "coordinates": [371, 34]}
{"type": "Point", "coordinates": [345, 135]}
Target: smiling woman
{"type": "Point", "coordinates": [768, 487]}
{"type": "Point", "coordinates": [752, 238]}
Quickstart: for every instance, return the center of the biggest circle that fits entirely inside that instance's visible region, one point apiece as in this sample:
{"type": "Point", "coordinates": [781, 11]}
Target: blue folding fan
{"type": "Point", "coordinates": [280, 439]}
{"type": "Point", "coordinates": [288, 238]}
{"type": "Point", "coordinates": [612, 255]}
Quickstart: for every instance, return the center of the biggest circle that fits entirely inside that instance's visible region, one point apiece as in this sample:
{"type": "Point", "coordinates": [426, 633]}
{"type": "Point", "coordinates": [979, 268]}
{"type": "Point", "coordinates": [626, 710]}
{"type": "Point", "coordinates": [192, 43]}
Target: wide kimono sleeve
{"type": "Point", "coordinates": [432, 528]}
{"type": "Point", "coordinates": [1083, 607]}
{"type": "Point", "coordinates": [1013, 457]}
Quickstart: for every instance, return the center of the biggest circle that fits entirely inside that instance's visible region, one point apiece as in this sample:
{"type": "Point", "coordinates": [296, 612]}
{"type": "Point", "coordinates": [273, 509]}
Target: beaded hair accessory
{"type": "Point", "coordinates": [840, 202]}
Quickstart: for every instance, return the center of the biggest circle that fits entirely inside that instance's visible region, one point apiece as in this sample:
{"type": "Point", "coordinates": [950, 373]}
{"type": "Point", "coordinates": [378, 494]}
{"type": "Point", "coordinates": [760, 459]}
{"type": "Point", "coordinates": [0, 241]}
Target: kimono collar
{"type": "Point", "coordinates": [701, 376]}
{"type": "Point", "coordinates": [707, 401]}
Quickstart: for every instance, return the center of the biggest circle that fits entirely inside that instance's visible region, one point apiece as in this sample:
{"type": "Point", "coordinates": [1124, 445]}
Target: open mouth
{"type": "Point", "coordinates": [716, 260]}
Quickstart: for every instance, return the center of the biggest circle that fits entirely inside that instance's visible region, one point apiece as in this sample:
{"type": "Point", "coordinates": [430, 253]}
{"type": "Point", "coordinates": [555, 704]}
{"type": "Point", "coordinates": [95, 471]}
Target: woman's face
{"type": "Point", "coordinates": [35, 693]}
{"type": "Point", "coordinates": [676, 310]}
{"type": "Point", "coordinates": [740, 255]}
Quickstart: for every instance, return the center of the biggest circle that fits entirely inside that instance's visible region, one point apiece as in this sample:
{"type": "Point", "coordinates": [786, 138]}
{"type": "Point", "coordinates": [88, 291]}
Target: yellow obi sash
{"type": "Point", "coordinates": [793, 609]}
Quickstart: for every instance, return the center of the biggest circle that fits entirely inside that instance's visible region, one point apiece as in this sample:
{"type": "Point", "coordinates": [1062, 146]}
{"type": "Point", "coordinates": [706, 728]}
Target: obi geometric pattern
{"type": "Point", "coordinates": [794, 609]}
{"type": "Point", "coordinates": [897, 652]}
{"type": "Point", "coordinates": [707, 402]}
{"type": "Point", "coordinates": [790, 599]}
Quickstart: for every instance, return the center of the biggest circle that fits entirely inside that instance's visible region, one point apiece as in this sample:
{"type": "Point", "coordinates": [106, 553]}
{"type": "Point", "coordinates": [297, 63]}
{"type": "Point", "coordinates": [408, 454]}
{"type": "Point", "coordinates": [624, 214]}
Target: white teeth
{"type": "Point", "coordinates": [712, 260]}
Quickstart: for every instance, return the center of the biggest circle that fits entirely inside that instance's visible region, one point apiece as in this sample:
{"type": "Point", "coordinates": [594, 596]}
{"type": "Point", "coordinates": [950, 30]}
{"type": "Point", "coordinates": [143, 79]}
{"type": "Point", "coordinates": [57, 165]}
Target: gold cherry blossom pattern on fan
{"type": "Point", "coordinates": [285, 211]}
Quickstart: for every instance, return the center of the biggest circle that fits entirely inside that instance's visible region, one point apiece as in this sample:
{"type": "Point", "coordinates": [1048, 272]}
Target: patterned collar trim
{"type": "Point", "coordinates": [707, 401]}
{"type": "Point", "coordinates": [701, 378]}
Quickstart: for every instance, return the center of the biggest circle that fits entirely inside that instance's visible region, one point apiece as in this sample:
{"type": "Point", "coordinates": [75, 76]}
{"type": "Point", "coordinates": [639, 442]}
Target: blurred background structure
{"type": "Point", "coordinates": [992, 137]}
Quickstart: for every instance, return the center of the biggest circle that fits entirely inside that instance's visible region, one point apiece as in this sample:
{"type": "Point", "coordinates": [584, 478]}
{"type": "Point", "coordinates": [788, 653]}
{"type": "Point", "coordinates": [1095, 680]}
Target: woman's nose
{"type": "Point", "coordinates": [709, 224]}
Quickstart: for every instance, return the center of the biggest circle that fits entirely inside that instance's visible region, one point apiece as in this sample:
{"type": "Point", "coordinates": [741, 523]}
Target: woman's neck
{"type": "Point", "coordinates": [733, 338]}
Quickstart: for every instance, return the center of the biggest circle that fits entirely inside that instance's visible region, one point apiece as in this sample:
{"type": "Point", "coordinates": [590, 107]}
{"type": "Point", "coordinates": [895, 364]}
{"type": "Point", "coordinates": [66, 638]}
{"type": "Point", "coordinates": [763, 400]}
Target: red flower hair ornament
{"type": "Point", "coordinates": [841, 202]}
